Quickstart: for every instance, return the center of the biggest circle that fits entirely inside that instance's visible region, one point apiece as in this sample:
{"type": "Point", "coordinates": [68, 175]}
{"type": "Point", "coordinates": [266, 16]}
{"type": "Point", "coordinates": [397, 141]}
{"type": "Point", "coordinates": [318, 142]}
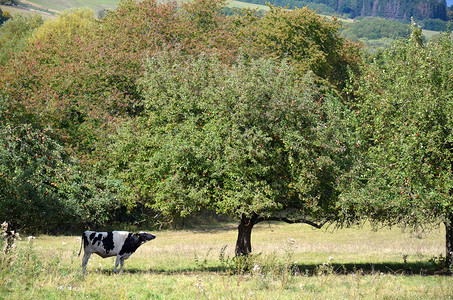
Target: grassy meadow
{"type": "Point", "coordinates": [289, 262]}
{"type": "Point", "coordinates": [60, 5]}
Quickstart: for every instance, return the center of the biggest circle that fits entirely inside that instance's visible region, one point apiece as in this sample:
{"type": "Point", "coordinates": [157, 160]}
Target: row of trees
{"type": "Point", "coordinates": [376, 28]}
{"type": "Point", "coordinates": [169, 110]}
{"type": "Point", "coordinates": [420, 9]}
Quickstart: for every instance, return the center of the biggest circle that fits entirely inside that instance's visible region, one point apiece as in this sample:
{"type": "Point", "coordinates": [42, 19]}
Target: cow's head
{"type": "Point", "coordinates": [145, 236]}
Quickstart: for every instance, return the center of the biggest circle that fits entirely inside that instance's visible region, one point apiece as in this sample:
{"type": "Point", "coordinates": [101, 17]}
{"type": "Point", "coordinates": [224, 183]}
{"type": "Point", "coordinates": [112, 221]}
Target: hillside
{"type": "Point", "coordinates": [394, 9]}
{"type": "Point", "coordinates": [13, 10]}
{"type": "Point", "coordinates": [60, 5]}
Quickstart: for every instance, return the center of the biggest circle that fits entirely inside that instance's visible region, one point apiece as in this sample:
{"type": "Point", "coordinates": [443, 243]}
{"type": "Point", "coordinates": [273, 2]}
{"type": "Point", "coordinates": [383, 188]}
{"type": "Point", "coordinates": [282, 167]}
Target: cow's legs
{"type": "Point", "coordinates": [121, 265]}
{"type": "Point", "coordinates": [117, 262]}
{"type": "Point", "coordinates": [85, 259]}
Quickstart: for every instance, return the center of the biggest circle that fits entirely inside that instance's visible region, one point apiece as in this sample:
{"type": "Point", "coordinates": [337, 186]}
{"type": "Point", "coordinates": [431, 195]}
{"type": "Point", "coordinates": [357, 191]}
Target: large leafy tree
{"type": "Point", "coordinates": [79, 74]}
{"type": "Point", "coordinates": [42, 188]}
{"type": "Point", "coordinates": [307, 40]}
{"type": "Point", "coordinates": [251, 139]}
{"type": "Point", "coordinates": [404, 123]}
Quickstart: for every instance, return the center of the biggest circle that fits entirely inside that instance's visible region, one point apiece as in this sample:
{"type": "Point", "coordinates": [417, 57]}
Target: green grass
{"type": "Point", "coordinates": [429, 34]}
{"type": "Point", "coordinates": [289, 262]}
{"type": "Point", "coordinates": [241, 5]}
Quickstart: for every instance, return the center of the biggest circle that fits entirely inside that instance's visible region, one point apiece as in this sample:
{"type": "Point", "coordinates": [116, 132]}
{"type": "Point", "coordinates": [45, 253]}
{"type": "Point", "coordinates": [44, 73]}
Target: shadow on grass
{"type": "Point", "coordinates": [390, 268]}
{"type": "Point", "coordinates": [424, 268]}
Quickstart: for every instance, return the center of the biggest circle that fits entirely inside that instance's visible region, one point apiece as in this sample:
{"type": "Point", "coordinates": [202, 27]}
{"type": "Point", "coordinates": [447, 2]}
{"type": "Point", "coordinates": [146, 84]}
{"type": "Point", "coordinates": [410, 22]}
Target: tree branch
{"type": "Point", "coordinates": [292, 221]}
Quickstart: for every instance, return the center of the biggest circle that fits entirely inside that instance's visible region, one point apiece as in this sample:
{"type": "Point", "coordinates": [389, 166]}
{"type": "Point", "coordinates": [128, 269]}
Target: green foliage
{"type": "Point", "coordinates": [67, 26]}
{"type": "Point", "coordinates": [308, 41]}
{"type": "Point", "coordinates": [191, 130]}
{"type": "Point", "coordinates": [434, 24]}
{"type": "Point", "coordinates": [46, 76]}
{"type": "Point", "coordinates": [14, 35]}
{"type": "Point", "coordinates": [78, 74]}
{"type": "Point", "coordinates": [404, 120]}
{"type": "Point", "coordinates": [245, 138]}
{"type": "Point", "coordinates": [8, 2]}
{"type": "Point", "coordinates": [4, 16]}
{"type": "Point", "coordinates": [41, 187]}
{"type": "Point", "coordinates": [420, 9]}
{"type": "Point", "coordinates": [376, 28]}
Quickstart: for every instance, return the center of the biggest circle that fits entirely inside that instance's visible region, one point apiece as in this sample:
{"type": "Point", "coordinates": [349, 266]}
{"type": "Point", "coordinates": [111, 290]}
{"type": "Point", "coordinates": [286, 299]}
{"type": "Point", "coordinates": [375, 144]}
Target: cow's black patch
{"type": "Point", "coordinates": [131, 244]}
{"type": "Point", "coordinates": [96, 238]}
{"type": "Point", "coordinates": [92, 236]}
{"type": "Point", "coordinates": [108, 242]}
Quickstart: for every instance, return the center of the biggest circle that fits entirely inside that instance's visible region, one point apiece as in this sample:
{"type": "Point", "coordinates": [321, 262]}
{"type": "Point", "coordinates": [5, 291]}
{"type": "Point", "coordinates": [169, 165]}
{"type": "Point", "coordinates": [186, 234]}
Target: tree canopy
{"type": "Point", "coordinates": [248, 140]}
{"type": "Point", "coordinates": [42, 188]}
{"type": "Point", "coordinates": [15, 33]}
{"type": "Point", "coordinates": [404, 123]}
{"type": "Point", "coordinates": [310, 42]}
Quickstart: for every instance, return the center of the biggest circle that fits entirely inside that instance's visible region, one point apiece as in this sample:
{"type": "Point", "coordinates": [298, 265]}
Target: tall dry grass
{"type": "Point", "coordinates": [289, 262]}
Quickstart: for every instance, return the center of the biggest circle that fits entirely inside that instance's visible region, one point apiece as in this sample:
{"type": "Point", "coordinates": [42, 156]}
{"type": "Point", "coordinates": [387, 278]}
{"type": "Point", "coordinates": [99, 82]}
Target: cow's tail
{"type": "Point", "coordinates": [81, 244]}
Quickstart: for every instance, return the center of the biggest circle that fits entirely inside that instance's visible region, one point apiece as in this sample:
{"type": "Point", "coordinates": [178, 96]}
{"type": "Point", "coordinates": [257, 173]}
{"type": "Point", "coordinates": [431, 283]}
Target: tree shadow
{"type": "Point", "coordinates": [424, 268]}
{"type": "Point", "coordinates": [160, 271]}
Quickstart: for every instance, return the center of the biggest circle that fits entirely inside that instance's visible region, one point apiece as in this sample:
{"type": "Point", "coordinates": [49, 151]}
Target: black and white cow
{"type": "Point", "coordinates": [113, 243]}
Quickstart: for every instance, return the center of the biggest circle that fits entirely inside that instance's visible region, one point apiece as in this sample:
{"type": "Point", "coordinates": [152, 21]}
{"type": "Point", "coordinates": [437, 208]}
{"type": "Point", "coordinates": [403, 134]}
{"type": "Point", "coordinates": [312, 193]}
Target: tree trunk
{"type": "Point", "coordinates": [244, 241]}
{"type": "Point", "coordinates": [449, 240]}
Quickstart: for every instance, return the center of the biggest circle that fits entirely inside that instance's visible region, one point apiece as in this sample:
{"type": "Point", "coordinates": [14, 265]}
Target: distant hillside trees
{"type": "Point", "coordinates": [434, 24]}
{"type": "Point", "coordinates": [376, 28]}
{"type": "Point", "coordinates": [392, 9]}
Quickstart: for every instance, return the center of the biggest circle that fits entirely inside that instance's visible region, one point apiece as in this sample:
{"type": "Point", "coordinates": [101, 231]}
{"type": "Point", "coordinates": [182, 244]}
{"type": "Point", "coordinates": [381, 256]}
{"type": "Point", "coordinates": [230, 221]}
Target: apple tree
{"type": "Point", "coordinates": [43, 188]}
{"type": "Point", "coordinates": [251, 140]}
{"type": "Point", "coordinates": [404, 118]}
